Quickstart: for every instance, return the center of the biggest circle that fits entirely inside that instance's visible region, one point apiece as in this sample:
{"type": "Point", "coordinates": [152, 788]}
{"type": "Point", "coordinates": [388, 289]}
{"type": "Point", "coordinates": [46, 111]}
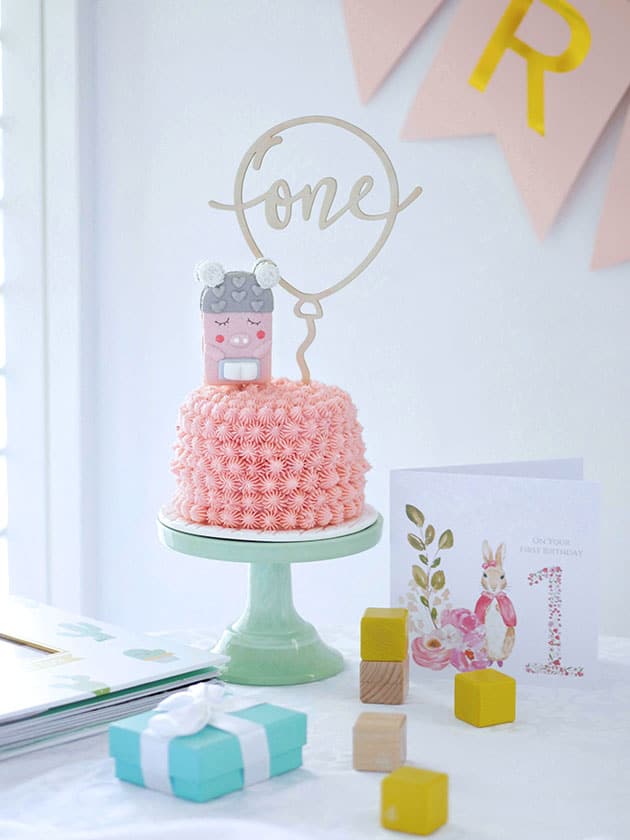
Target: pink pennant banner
{"type": "Point", "coordinates": [613, 237]}
{"type": "Point", "coordinates": [380, 32]}
{"type": "Point", "coordinates": [543, 76]}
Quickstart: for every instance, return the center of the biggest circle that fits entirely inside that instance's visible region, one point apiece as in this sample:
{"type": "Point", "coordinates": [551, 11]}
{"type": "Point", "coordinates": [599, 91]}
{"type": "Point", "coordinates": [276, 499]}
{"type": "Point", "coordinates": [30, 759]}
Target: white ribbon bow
{"type": "Point", "coordinates": [187, 712]}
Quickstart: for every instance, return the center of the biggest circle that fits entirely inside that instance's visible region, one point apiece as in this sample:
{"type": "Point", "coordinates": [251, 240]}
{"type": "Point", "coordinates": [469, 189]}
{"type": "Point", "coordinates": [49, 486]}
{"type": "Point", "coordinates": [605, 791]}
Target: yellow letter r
{"type": "Point", "coordinates": [504, 38]}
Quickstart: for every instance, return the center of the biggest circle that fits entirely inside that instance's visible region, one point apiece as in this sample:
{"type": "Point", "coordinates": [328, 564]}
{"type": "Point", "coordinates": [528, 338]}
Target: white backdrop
{"type": "Point", "coordinates": [494, 347]}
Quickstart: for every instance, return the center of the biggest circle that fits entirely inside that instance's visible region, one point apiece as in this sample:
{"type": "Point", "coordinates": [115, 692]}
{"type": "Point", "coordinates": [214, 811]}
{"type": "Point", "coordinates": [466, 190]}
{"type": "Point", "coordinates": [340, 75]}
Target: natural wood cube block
{"type": "Point", "coordinates": [379, 741]}
{"type": "Point", "coordinates": [414, 801]}
{"type": "Point", "coordinates": [384, 635]}
{"type": "Point", "coordinates": [384, 682]}
{"type": "Point", "coordinates": [485, 698]}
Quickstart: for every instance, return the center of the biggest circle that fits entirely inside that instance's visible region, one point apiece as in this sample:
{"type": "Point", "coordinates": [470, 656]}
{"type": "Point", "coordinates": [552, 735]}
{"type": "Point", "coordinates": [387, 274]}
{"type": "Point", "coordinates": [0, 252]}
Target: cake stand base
{"type": "Point", "coordinates": [271, 644]}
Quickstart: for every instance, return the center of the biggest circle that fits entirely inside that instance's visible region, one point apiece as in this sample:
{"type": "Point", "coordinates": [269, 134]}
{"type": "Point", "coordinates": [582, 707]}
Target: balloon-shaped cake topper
{"type": "Point", "coordinates": [308, 305]}
{"type": "Point", "coordinates": [236, 309]}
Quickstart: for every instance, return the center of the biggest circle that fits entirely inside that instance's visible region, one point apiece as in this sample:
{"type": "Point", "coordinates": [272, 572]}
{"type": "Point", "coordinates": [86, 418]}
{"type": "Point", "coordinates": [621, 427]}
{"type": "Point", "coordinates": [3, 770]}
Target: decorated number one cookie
{"type": "Point", "coordinates": [236, 312]}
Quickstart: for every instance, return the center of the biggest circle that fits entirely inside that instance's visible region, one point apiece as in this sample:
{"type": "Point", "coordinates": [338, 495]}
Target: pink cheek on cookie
{"type": "Point", "coordinates": [220, 339]}
{"type": "Point", "coordinates": [261, 334]}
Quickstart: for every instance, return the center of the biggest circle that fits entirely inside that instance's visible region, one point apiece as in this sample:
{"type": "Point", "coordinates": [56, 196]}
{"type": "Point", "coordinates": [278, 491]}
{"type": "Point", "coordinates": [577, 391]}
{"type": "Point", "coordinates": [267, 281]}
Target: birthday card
{"type": "Point", "coordinates": [498, 567]}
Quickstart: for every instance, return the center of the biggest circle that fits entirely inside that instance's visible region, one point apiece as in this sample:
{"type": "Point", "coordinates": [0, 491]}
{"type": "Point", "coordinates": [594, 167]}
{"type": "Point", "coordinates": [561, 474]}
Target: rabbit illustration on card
{"type": "Point", "coordinates": [494, 609]}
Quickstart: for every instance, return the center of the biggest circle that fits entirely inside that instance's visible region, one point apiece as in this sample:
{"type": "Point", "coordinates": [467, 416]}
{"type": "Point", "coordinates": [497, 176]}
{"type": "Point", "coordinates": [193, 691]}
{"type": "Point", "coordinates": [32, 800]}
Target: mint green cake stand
{"type": "Point", "coordinates": [271, 644]}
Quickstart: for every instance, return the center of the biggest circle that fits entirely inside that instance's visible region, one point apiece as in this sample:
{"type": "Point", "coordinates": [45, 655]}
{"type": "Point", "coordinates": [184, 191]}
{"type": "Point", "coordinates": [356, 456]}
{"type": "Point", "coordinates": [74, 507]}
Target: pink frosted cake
{"type": "Point", "coordinates": [277, 456]}
{"type": "Point", "coordinates": [256, 453]}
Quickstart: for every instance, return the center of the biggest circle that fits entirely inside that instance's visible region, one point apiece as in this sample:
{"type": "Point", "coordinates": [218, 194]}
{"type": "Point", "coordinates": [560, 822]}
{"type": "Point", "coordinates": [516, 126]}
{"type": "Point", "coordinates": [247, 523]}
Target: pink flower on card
{"type": "Point", "coordinates": [463, 619]}
{"type": "Point", "coordinates": [470, 659]}
{"type": "Point", "coordinates": [469, 654]}
{"type": "Point", "coordinates": [429, 651]}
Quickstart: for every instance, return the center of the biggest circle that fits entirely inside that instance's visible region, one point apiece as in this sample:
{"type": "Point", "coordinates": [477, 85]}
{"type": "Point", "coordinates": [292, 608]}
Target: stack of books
{"type": "Point", "coordinates": [64, 676]}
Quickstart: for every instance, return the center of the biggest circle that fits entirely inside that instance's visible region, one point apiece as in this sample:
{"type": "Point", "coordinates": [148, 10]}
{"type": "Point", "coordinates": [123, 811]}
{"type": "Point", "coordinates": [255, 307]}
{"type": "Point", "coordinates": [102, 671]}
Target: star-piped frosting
{"type": "Point", "coordinates": [276, 456]}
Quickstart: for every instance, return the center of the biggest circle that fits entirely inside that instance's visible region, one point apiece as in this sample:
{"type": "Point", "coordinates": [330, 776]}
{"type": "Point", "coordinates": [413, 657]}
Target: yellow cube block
{"type": "Point", "coordinates": [414, 801]}
{"type": "Point", "coordinates": [485, 698]}
{"type": "Point", "coordinates": [384, 635]}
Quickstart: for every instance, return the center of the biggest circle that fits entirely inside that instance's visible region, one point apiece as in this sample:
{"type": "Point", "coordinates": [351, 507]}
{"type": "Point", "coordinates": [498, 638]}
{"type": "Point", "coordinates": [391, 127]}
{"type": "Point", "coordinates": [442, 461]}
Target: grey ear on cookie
{"type": "Point", "coordinates": [209, 274]}
{"type": "Point", "coordinates": [266, 273]}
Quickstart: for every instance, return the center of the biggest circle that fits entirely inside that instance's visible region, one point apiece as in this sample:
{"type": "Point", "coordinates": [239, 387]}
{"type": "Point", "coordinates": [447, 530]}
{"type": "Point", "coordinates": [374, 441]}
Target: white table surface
{"type": "Point", "coordinates": [562, 771]}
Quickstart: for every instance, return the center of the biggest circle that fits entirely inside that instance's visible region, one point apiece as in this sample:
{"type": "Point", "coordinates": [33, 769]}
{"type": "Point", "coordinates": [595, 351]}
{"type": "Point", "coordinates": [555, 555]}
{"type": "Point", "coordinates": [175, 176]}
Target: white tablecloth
{"type": "Point", "coordinates": [561, 772]}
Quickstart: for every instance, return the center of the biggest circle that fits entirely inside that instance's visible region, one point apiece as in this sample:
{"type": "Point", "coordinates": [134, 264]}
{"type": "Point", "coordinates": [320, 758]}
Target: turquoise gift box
{"type": "Point", "coordinates": [209, 763]}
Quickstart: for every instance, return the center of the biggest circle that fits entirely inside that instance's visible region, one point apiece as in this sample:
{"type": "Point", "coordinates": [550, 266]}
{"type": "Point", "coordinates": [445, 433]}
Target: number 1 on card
{"type": "Point", "coordinates": [554, 664]}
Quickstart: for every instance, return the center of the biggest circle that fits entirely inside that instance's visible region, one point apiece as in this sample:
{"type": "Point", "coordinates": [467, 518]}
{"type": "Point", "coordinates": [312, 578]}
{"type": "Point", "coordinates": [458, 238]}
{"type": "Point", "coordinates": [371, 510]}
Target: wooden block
{"type": "Point", "coordinates": [414, 800]}
{"type": "Point", "coordinates": [384, 635]}
{"type": "Point", "coordinates": [485, 698]}
{"type": "Point", "coordinates": [379, 741]}
{"type": "Point", "coordinates": [384, 682]}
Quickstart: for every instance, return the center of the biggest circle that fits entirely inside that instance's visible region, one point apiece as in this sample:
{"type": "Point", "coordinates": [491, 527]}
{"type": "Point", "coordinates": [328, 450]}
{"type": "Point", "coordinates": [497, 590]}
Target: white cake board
{"type": "Point", "coordinates": [368, 517]}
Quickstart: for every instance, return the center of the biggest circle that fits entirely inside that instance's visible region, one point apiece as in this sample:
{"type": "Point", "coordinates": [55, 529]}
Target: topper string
{"type": "Point", "coordinates": [310, 315]}
{"type": "Point", "coordinates": [311, 332]}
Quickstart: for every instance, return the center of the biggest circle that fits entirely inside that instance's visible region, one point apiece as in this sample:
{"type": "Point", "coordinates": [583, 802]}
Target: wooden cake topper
{"type": "Point", "coordinates": [279, 196]}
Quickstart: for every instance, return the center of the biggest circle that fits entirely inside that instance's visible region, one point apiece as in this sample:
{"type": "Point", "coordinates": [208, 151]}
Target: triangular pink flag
{"type": "Point", "coordinates": [380, 31]}
{"type": "Point", "coordinates": [613, 236]}
{"type": "Point", "coordinates": [578, 104]}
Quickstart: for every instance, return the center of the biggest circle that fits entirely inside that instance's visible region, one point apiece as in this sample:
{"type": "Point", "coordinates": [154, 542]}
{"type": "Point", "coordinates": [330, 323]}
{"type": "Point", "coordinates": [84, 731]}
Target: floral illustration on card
{"type": "Point", "coordinates": [444, 634]}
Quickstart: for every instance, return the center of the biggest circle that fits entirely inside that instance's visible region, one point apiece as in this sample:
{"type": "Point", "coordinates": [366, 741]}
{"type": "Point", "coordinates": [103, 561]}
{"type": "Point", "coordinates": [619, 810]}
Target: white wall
{"type": "Point", "coordinates": [511, 349]}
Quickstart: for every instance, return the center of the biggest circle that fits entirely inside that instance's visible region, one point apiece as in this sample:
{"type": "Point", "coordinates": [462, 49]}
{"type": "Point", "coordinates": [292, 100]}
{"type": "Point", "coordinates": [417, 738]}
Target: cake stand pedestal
{"type": "Point", "coordinates": [271, 644]}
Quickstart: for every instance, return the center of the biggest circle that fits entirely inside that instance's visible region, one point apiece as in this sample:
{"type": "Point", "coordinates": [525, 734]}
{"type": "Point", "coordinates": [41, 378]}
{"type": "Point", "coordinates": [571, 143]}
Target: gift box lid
{"type": "Point", "coordinates": [211, 752]}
